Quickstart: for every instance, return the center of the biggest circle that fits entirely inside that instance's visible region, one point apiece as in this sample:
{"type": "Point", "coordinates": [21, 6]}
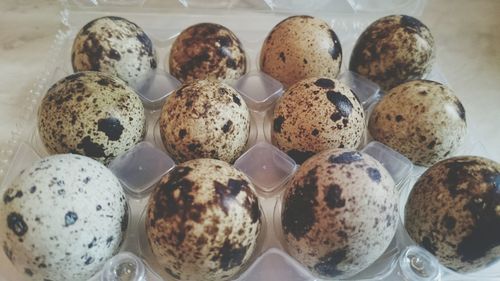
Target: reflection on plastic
{"type": "Point", "coordinates": [398, 166]}
{"type": "Point", "coordinates": [266, 166]}
{"type": "Point", "coordinates": [124, 267]}
{"type": "Point", "coordinates": [259, 90]}
{"type": "Point", "coordinates": [416, 264]}
{"type": "Point", "coordinates": [141, 167]}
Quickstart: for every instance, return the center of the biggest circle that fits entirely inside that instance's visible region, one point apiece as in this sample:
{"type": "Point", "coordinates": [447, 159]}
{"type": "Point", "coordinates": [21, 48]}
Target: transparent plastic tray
{"type": "Point", "coordinates": [268, 168]}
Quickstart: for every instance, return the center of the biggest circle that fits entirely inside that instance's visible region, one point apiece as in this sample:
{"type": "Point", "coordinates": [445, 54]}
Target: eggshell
{"type": "Point", "coordinates": [317, 114]}
{"type": "Point", "coordinates": [301, 47]}
{"type": "Point", "coordinates": [115, 46]}
{"type": "Point", "coordinates": [203, 221]}
{"type": "Point", "coordinates": [421, 119]}
{"type": "Point", "coordinates": [339, 213]}
{"type": "Point", "coordinates": [453, 211]}
{"type": "Point", "coordinates": [207, 51]}
{"type": "Point", "coordinates": [205, 119]}
{"type": "Point", "coordinates": [393, 50]}
{"type": "Point", "coordinates": [64, 217]}
{"type": "Point", "coordinates": [92, 114]}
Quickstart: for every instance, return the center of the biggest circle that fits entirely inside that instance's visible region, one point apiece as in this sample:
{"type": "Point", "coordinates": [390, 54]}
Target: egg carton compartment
{"type": "Point", "coordinates": [401, 261]}
{"type": "Point", "coordinates": [267, 167]}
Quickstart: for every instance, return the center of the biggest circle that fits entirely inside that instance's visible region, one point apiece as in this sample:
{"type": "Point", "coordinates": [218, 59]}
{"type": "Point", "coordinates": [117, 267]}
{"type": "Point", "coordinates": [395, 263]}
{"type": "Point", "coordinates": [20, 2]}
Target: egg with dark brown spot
{"type": "Point", "coordinates": [453, 211]}
{"type": "Point", "coordinates": [420, 119]}
{"type": "Point", "coordinates": [301, 47]}
{"type": "Point", "coordinates": [203, 221]}
{"type": "Point", "coordinates": [317, 114]}
{"type": "Point", "coordinates": [393, 50]}
{"type": "Point", "coordinates": [115, 46]}
{"type": "Point", "coordinates": [205, 119]}
{"type": "Point", "coordinates": [93, 114]}
{"type": "Point", "coordinates": [339, 213]}
{"type": "Point", "coordinates": [207, 51]}
{"type": "Point", "coordinates": [63, 218]}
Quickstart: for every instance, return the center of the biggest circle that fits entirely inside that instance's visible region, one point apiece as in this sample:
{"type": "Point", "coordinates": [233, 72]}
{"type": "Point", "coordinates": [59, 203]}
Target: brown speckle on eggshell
{"type": "Point", "coordinates": [207, 51]}
{"type": "Point", "coordinates": [317, 114]}
{"type": "Point", "coordinates": [93, 114]}
{"type": "Point", "coordinates": [203, 221]}
{"type": "Point", "coordinates": [392, 50]}
{"type": "Point", "coordinates": [420, 119]}
{"type": "Point", "coordinates": [115, 46]}
{"type": "Point", "coordinates": [453, 211]}
{"type": "Point", "coordinates": [205, 119]}
{"type": "Point", "coordinates": [300, 47]}
{"type": "Point", "coordinates": [339, 213]}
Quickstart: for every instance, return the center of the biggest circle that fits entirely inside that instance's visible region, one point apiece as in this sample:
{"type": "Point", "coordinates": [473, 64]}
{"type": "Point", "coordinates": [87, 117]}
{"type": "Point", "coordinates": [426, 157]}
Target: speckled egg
{"type": "Point", "coordinates": [116, 46]}
{"type": "Point", "coordinates": [392, 50]}
{"type": "Point", "coordinates": [92, 114]}
{"type": "Point", "coordinates": [62, 218]}
{"type": "Point", "coordinates": [203, 221]}
{"type": "Point", "coordinates": [207, 51]}
{"type": "Point", "coordinates": [300, 47]}
{"type": "Point", "coordinates": [339, 213]}
{"type": "Point", "coordinates": [453, 211]}
{"type": "Point", "coordinates": [317, 114]}
{"type": "Point", "coordinates": [420, 119]}
{"type": "Point", "coordinates": [205, 119]}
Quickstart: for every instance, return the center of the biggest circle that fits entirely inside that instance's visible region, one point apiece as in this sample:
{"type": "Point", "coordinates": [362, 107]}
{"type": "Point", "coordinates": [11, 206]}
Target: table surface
{"type": "Point", "coordinates": [467, 35]}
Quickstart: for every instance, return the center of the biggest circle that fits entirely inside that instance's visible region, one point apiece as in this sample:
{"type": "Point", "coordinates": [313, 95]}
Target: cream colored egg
{"type": "Point", "coordinates": [393, 50]}
{"type": "Point", "coordinates": [301, 47]}
{"type": "Point", "coordinates": [93, 114]}
{"type": "Point", "coordinates": [339, 213]}
{"type": "Point", "coordinates": [453, 211]}
{"type": "Point", "coordinates": [115, 46]}
{"type": "Point", "coordinates": [316, 114]}
{"type": "Point", "coordinates": [63, 218]}
{"type": "Point", "coordinates": [207, 51]}
{"type": "Point", "coordinates": [205, 119]}
{"type": "Point", "coordinates": [420, 119]}
{"type": "Point", "coordinates": [203, 221]}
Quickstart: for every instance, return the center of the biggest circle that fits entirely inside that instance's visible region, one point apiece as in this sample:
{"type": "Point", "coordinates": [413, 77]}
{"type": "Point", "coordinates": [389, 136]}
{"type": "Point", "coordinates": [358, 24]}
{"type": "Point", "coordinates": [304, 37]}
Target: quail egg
{"type": "Point", "coordinates": [116, 46]}
{"type": "Point", "coordinates": [62, 218]}
{"type": "Point", "coordinates": [92, 114]}
{"type": "Point", "coordinates": [393, 50]}
{"type": "Point", "coordinates": [203, 221]}
{"type": "Point", "coordinates": [339, 213]}
{"type": "Point", "coordinates": [453, 211]}
{"type": "Point", "coordinates": [205, 119]}
{"type": "Point", "coordinates": [317, 114]}
{"type": "Point", "coordinates": [207, 51]}
{"type": "Point", "coordinates": [301, 47]}
{"type": "Point", "coordinates": [421, 119]}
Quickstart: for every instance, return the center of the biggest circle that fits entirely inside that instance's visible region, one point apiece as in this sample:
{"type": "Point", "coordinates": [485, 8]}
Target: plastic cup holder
{"type": "Point", "coordinates": [274, 264]}
{"type": "Point", "coordinates": [158, 87]}
{"type": "Point", "coordinates": [141, 167]}
{"type": "Point", "coordinates": [398, 166]}
{"type": "Point", "coordinates": [259, 90]}
{"type": "Point", "coordinates": [154, 267]}
{"type": "Point", "coordinates": [124, 266]}
{"type": "Point", "coordinates": [266, 166]}
{"type": "Point", "coordinates": [367, 91]}
{"type": "Point", "coordinates": [416, 264]}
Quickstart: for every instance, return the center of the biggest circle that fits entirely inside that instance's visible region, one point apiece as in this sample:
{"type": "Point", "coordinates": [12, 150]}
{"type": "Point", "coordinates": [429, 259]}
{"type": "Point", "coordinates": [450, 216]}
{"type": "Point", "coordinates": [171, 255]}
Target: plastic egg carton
{"type": "Point", "coordinates": [268, 168]}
